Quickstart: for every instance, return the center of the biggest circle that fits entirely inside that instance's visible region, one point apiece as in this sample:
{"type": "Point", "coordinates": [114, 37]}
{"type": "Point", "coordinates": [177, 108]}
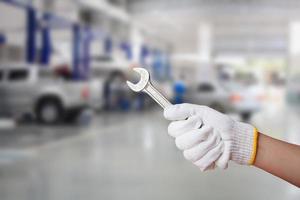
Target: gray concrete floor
{"type": "Point", "coordinates": [127, 156]}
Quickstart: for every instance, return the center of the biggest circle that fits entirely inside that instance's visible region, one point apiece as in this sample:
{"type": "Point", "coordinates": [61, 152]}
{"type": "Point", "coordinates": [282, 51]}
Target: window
{"type": "Point", "coordinates": [18, 75]}
{"type": "Point", "coordinates": [1, 75]}
{"type": "Point", "coordinates": [206, 87]}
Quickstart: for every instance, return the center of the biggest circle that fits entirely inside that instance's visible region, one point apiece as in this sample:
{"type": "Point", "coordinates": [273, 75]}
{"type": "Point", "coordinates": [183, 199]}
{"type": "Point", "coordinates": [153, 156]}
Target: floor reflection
{"type": "Point", "coordinates": [127, 156]}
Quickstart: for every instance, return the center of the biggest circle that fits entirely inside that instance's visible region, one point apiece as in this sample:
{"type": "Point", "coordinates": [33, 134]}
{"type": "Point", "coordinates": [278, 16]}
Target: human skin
{"type": "Point", "coordinates": [279, 158]}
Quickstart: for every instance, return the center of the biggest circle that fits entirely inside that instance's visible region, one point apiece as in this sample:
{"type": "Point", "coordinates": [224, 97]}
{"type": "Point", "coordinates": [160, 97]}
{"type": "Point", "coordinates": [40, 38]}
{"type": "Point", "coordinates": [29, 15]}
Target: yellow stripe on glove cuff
{"type": "Point", "coordinates": [255, 143]}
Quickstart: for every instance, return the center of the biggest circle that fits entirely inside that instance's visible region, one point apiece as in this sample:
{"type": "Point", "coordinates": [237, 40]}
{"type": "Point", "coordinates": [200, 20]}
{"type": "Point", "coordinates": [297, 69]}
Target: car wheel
{"type": "Point", "coordinates": [49, 111]}
{"type": "Point", "coordinates": [246, 116]}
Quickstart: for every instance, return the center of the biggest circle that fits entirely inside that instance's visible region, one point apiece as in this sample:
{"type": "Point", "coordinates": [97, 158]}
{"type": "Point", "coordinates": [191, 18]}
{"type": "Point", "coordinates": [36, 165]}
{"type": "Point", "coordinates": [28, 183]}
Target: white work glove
{"type": "Point", "coordinates": [208, 137]}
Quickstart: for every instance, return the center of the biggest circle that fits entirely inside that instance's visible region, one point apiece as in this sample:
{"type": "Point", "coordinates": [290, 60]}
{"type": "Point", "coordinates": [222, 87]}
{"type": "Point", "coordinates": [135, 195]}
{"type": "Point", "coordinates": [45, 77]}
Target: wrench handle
{"type": "Point", "coordinates": [157, 96]}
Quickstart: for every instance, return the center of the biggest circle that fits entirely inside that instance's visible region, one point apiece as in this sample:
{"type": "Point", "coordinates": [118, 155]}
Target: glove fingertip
{"type": "Point", "coordinates": [203, 168]}
{"type": "Point", "coordinates": [172, 130]}
{"type": "Point", "coordinates": [222, 165]}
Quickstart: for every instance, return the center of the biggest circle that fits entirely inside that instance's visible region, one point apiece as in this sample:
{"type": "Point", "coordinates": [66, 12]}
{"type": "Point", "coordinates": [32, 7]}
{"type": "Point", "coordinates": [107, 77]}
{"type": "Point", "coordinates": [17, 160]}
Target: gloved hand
{"type": "Point", "coordinates": [208, 137]}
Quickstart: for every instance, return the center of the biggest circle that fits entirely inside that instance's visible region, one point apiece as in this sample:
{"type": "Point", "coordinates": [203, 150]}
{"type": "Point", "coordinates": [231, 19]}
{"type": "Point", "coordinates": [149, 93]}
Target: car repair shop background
{"type": "Point", "coordinates": [70, 128]}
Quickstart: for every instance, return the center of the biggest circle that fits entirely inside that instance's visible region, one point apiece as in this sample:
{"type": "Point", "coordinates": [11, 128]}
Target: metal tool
{"type": "Point", "coordinates": [145, 85]}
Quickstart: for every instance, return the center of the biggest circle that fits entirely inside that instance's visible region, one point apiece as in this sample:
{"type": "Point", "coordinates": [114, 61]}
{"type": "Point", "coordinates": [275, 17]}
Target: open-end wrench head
{"type": "Point", "coordinates": [145, 77]}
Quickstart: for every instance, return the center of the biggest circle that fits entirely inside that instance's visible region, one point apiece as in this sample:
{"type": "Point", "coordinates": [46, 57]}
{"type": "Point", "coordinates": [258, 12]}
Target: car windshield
{"type": "Point", "coordinates": [205, 87]}
{"type": "Point", "coordinates": [245, 79]}
{"type": "Point", "coordinates": [18, 75]}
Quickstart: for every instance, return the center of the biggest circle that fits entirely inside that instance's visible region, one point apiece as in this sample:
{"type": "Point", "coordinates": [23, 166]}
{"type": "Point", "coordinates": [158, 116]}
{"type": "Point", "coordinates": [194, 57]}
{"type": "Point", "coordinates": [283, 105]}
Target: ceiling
{"type": "Point", "coordinates": [238, 26]}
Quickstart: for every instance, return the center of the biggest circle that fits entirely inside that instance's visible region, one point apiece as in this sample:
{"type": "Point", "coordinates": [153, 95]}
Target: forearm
{"type": "Point", "coordinates": [278, 158]}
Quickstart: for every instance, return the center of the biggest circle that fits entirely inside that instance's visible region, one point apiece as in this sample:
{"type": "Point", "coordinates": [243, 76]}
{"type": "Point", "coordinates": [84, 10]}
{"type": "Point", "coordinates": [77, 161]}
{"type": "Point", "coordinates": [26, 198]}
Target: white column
{"type": "Point", "coordinates": [205, 69]}
{"type": "Point", "coordinates": [204, 42]}
{"type": "Point", "coordinates": [294, 47]}
{"type": "Point", "coordinates": [136, 41]}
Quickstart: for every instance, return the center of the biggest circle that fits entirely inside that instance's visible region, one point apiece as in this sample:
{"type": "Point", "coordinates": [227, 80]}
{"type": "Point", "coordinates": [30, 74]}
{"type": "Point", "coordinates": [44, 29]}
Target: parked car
{"type": "Point", "coordinates": [242, 100]}
{"type": "Point", "coordinates": [210, 94]}
{"type": "Point", "coordinates": [47, 95]}
{"type": "Point", "coordinates": [112, 75]}
{"type": "Point", "coordinates": [246, 100]}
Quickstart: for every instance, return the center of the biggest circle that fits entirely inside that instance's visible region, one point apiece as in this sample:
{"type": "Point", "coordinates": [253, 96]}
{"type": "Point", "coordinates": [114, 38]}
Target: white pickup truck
{"type": "Point", "coordinates": [48, 96]}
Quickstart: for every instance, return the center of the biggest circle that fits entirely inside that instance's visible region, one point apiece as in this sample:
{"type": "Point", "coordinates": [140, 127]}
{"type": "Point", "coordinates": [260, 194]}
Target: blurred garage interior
{"type": "Point", "coordinates": [70, 128]}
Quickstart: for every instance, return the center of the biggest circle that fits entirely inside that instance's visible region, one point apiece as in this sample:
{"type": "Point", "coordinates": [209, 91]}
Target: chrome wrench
{"type": "Point", "coordinates": [145, 85]}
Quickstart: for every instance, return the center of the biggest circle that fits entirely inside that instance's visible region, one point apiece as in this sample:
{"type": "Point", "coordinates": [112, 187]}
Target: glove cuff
{"type": "Point", "coordinates": [244, 143]}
